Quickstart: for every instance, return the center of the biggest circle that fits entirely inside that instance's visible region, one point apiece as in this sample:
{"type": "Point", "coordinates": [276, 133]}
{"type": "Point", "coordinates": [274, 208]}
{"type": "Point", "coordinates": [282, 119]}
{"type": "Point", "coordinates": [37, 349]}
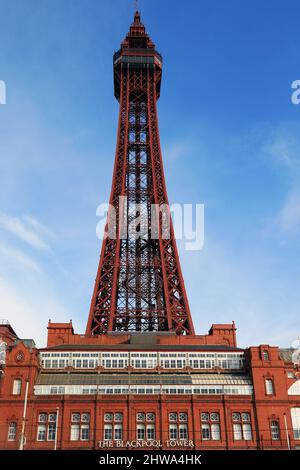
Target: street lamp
{"type": "Point", "coordinates": [286, 432]}
{"type": "Point", "coordinates": [56, 428]}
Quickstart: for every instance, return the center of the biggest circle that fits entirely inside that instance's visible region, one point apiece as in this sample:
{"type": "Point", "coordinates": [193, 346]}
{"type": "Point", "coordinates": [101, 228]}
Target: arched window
{"type": "Point", "coordinates": [295, 388]}
{"type": "Point", "coordinates": [265, 355]}
{"type": "Point", "coordinates": [274, 430]}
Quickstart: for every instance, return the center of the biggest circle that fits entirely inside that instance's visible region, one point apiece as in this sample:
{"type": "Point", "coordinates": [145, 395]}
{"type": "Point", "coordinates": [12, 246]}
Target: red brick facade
{"type": "Point", "coordinates": [261, 410]}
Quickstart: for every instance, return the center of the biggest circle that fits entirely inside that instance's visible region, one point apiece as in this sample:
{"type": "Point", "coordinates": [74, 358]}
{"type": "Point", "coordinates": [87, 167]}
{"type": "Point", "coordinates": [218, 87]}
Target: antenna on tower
{"type": "Point", "coordinates": [136, 4]}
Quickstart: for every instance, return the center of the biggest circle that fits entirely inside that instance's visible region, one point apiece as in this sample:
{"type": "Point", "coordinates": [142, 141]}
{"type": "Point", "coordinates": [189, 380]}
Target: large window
{"type": "Point", "coordinates": [295, 415]}
{"type": "Point", "coordinates": [269, 386]}
{"type": "Point", "coordinates": [12, 431]}
{"type": "Point", "coordinates": [46, 429]}
{"type": "Point", "coordinates": [141, 360]}
{"type": "Point", "coordinates": [113, 426]}
{"type": "Point", "coordinates": [145, 426]}
{"type": "Point", "coordinates": [17, 386]}
{"type": "Point", "coordinates": [80, 427]}
{"type": "Point", "coordinates": [242, 426]}
{"type": "Point", "coordinates": [210, 426]}
{"type": "Point", "coordinates": [178, 426]}
{"type": "Point", "coordinates": [274, 430]}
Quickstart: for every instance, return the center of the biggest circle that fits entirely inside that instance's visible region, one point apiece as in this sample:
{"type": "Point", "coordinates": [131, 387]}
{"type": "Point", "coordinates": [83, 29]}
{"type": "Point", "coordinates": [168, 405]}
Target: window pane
{"type": "Point", "coordinates": [118, 417]}
{"type": "Point", "coordinates": [75, 432]}
{"type": "Point", "coordinates": [85, 417]}
{"type": "Point", "coordinates": [247, 432]}
{"type": "Point", "coordinates": [215, 432]}
{"type": "Point", "coordinates": [52, 418]}
{"type": "Point", "coordinates": [173, 431]}
{"type": "Point", "coordinates": [265, 355]}
{"type": "Point", "coordinates": [214, 417]}
{"type": "Point", "coordinates": [204, 416]}
{"type": "Point", "coordinates": [183, 431]}
{"type": "Point", "coordinates": [236, 416]}
{"type": "Point", "coordinates": [246, 417]}
{"type": "Point", "coordinates": [173, 417]}
{"type": "Point", "coordinates": [41, 432]}
{"type": "Point", "coordinates": [150, 417]}
{"type": "Point", "coordinates": [17, 387]}
{"type": "Point", "coordinates": [107, 432]}
{"type": "Point", "coordinates": [269, 387]}
{"type": "Point", "coordinates": [12, 431]}
{"type": "Point", "coordinates": [237, 432]}
{"type": "Point", "coordinates": [274, 430]}
{"type": "Point", "coordinates": [85, 432]}
{"type": "Point", "coordinates": [205, 431]}
{"type": "Point", "coordinates": [118, 431]}
{"type": "Point", "coordinates": [140, 431]}
{"type": "Point", "coordinates": [108, 417]}
{"type": "Point", "coordinates": [51, 432]}
{"type": "Point", "coordinates": [150, 431]}
{"type": "Point", "coordinates": [182, 416]}
{"type": "Point", "coordinates": [140, 417]}
{"type": "Point", "coordinates": [42, 418]}
{"type": "Point", "coordinates": [75, 417]}
{"type": "Point", "coordinates": [295, 415]}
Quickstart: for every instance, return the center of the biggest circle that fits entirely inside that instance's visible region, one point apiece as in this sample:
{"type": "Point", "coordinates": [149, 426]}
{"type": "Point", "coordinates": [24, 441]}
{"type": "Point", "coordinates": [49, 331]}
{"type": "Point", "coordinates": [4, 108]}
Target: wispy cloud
{"type": "Point", "coordinates": [283, 146]}
{"type": "Point", "coordinates": [25, 228]}
{"type": "Point", "coordinates": [26, 309]}
{"type": "Point", "coordinates": [178, 149]}
{"type": "Point", "coordinates": [18, 259]}
{"type": "Point", "coordinates": [288, 218]}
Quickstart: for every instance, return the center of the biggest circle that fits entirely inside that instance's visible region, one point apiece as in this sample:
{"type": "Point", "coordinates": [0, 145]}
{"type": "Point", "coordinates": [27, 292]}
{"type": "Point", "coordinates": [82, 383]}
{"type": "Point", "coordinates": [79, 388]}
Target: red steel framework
{"type": "Point", "coordinates": [139, 284]}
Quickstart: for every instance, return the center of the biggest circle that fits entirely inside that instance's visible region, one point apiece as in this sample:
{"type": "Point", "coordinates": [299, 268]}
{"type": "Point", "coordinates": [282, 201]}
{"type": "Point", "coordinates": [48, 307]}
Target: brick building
{"type": "Point", "coordinates": [140, 377]}
{"type": "Point", "coordinates": [151, 389]}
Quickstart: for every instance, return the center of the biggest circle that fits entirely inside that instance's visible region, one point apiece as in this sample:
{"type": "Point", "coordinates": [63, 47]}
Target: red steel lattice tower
{"type": "Point", "coordinates": [139, 284]}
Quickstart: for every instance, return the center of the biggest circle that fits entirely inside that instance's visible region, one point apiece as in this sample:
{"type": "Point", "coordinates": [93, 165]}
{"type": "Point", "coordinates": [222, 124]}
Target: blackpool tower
{"type": "Point", "coordinates": [139, 284]}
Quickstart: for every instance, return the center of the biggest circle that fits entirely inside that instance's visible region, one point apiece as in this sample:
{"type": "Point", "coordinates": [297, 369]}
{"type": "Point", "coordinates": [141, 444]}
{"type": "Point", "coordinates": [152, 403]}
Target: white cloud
{"type": "Point", "coordinates": [283, 147]}
{"type": "Point", "coordinates": [38, 226]}
{"type": "Point", "coordinates": [179, 149]}
{"type": "Point", "coordinates": [28, 308]}
{"type": "Point", "coordinates": [288, 218]}
{"type": "Point", "coordinates": [223, 286]}
{"type": "Point", "coordinates": [18, 259]}
{"type": "Point", "coordinates": [26, 230]}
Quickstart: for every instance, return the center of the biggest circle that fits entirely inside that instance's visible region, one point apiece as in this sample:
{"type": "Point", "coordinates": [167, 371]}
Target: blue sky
{"type": "Point", "coordinates": [230, 138]}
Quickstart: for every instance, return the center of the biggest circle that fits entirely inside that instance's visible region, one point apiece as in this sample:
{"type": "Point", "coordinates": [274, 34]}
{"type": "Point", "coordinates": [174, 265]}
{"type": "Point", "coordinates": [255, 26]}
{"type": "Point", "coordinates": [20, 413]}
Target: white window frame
{"type": "Point", "coordinates": [215, 431]}
{"type": "Point", "coordinates": [295, 416]}
{"type": "Point", "coordinates": [108, 432]}
{"type": "Point", "coordinates": [75, 432]}
{"type": "Point", "coordinates": [183, 431]}
{"type": "Point", "coordinates": [173, 429]}
{"type": "Point", "coordinates": [17, 386]}
{"type": "Point", "coordinates": [12, 431]}
{"type": "Point", "coordinates": [237, 432]}
{"type": "Point", "coordinates": [41, 432]}
{"type": "Point", "coordinates": [247, 432]}
{"type": "Point", "coordinates": [140, 432]}
{"type": "Point", "coordinates": [269, 384]}
{"type": "Point", "coordinates": [274, 427]}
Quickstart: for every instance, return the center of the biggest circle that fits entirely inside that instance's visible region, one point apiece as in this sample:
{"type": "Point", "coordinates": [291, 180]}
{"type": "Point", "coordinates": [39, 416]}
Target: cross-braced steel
{"type": "Point", "coordinates": [139, 284]}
